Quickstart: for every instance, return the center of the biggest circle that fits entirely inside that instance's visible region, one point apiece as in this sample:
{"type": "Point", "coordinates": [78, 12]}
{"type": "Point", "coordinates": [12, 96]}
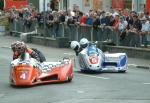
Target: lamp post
{"type": "Point", "coordinates": [66, 5]}
{"type": "Point", "coordinates": [44, 18]}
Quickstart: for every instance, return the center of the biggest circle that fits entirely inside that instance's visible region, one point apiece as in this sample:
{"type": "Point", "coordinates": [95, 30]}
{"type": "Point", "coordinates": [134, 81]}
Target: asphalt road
{"type": "Point", "coordinates": [130, 87]}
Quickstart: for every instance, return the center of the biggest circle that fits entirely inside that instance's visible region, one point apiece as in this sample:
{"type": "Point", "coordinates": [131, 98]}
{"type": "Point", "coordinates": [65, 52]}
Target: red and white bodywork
{"type": "Point", "coordinates": [28, 72]}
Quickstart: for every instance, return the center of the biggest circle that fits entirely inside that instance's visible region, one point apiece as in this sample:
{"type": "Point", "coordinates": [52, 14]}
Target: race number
{"type": "Point", "coordinates": [23, 75]}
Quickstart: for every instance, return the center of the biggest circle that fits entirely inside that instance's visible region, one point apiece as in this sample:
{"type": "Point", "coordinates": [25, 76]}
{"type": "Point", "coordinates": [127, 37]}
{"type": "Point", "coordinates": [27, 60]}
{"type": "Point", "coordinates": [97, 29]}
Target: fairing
{"type": "Point", "coordinates": [26, 71]}
{"type": "Point", "coordinates": [93, 59]}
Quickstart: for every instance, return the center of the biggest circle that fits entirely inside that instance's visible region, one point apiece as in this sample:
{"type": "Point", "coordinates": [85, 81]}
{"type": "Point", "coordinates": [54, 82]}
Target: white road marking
{"type": "Point", "coordinates": [5, 47]}
{"type": "Point", "coordinates": [93, 76]}
{"type": "Point", "coordinates": [132, 65]}
{"type": "Point", "coordinates": [79, 91]}
{"type": "Point", "coordinates": [1, 95]}
{"type": "Point", "coordinates": [147, 83]}
{"type": "Point", "coordinates": [68, 53]}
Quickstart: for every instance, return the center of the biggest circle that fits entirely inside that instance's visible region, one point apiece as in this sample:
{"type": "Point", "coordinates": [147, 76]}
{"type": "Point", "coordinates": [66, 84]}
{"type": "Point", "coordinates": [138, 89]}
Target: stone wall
{"type": "Point", "coordinates": [131, 52]}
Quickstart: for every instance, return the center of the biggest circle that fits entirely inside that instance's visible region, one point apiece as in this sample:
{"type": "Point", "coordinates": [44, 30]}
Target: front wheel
{"type": "Point", "coordinates": [69, 78]}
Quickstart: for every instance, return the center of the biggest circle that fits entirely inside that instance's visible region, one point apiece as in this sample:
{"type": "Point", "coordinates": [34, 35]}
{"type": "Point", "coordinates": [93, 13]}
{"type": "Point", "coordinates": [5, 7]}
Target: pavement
{"type": "Point", "coordinates": [130, 87]}
{"type": "Point", "coordinates": [140, 63]}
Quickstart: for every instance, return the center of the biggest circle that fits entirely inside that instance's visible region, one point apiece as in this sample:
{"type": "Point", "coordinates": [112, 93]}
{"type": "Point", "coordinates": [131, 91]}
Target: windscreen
{"type": "Point", "coordinates": [25, 56]}
{"type": "Point", "coordinates": [92, 50]}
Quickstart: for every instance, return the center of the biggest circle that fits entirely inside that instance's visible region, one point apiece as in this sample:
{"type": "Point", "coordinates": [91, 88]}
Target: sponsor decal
{"type": "Point", "coordinates": [23, 74]}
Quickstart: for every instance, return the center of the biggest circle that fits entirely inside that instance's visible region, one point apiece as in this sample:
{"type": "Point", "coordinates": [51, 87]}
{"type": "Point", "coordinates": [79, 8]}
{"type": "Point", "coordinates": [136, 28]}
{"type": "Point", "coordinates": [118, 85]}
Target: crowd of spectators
{"type": "Point", "coordinates": [125, 22]}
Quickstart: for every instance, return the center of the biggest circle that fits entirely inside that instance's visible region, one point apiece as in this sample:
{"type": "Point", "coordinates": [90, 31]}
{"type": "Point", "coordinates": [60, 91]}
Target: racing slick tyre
{"type": "Point", "coordinates": [122, 71]}
{"type": "Point", "coordinates": [40, 54]}
{"type": "Point", "coordinates": [82, 71]}
{"type": "Point", "coordinates": [69, 79]}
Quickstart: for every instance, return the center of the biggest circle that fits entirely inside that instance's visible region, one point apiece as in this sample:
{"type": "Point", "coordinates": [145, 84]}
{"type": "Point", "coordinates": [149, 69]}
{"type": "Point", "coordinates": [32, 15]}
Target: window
{"type": "Point", "coordinates": [128, 4]}
{"type": "Point", "coordinates": [1, 4]}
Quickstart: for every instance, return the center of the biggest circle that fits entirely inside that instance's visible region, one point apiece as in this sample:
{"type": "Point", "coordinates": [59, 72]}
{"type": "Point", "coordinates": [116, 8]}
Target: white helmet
{"type": "Point", "coordinates": [84, 42]}
{"type": "Point", "coordinates": [74, 45]}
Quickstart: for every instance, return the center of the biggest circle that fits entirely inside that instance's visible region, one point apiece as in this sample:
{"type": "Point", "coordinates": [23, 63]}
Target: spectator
{"type": "Point", "coordinates": [122, 28]}
{"type": "Point", "coordinates": [40, 19]}
{"type": "Point", "coordinates": [89, 20]}
{"type": "Point", "coordinates": [83, 19]}
{"type": "Point", "coordinates": [145, 30]}
{"type": "Point", "coordinates": [96, 24]}
{"type": "Point", "coordinates": [122, 24]}
{"type": "Point", "coordinates": [96, 21]}
{"type": "Point", "coordinates": [107, 18]}
{"type": "Point", "coordinates": [120, 20]}
{"type": "Point", "coordinates": [49, 20]}
{"type": "Point", "coordinates": [103, 18]}
{"type": "Point", "coordinates": [112, 20]}
{"type": "Point", "coordinates": [129, 19]}
{"type": "Point", "coordinates": [147, 15]}
{"type": "Point", "coordinates": [116, 22]}
{"type": "Point", "coordinates": [134, 29]}
{"type": "Point", "coordinates": [56, 24]}
{"type": "Point", "coordinates": [62, 16]}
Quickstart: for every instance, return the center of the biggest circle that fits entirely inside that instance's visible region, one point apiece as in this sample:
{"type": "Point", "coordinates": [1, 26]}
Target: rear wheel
{"type": "Point", "coordinates": [83, 71]}
{"type": "Point", "coordinates": [122, 71]}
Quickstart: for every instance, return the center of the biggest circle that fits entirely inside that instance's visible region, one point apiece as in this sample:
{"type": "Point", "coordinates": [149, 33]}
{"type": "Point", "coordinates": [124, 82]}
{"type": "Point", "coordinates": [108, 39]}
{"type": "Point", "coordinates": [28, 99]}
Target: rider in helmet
{"type": "Point", "coordinates": [84, 43]}
{"type": "Point", "coordinates": [78, 47]}
{"type": "Point", "coordinates": [20, 47]}
{"type": "Point", "coordinates": [75, 46]}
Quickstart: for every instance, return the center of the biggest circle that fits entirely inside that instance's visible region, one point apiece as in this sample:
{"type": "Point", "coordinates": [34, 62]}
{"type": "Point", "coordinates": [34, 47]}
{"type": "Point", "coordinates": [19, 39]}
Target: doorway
{"type": "Point", "coordinates": [1, 4]}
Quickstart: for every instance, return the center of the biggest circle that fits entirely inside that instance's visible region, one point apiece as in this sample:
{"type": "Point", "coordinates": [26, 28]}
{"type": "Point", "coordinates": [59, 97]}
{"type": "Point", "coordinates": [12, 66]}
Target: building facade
{"type": "Point", "coordinates": [40, 4]}
{"type": "Point", "coordinates": [83, 5]}
{"type": "Point", "coordinates": [86, 5]}
{"type": "Point", "coordinates": [7, 4]}
{"type": "Point", "coordinates": [148, 6]}
{"type": "Point", "coordinates": [139, 5]}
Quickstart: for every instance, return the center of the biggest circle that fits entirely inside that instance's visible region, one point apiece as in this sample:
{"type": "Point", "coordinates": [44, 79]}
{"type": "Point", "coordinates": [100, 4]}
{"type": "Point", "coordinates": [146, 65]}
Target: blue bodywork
{"type": "Point", "coordinates": [113, 61]}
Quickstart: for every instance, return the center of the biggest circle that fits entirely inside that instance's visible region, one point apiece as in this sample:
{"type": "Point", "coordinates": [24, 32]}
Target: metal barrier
{"type": "Point", "coordinates": [3, 25]}
{"type": "Point", "coordinates": [2, 30]}
{"type": "Point", "coordinates": [75, 32]}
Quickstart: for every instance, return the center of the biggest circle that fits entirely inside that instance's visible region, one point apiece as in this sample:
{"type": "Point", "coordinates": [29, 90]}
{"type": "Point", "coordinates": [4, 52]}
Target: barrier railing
{"type": "Point", "coordinates": [3, 24]}
{"type": "Point", "coordinates": [73, 32]}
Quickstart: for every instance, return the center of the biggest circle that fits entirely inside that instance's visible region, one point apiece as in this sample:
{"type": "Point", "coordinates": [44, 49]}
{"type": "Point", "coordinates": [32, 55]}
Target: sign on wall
{"type": "Point", "coordinates": [86, 2]}
{"type": "Point", "coordinates": [15, 3]}
{"type": "Point", "coordinates": [97, 4]}
{"type": "Point", "coordinates": [118, 4]}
